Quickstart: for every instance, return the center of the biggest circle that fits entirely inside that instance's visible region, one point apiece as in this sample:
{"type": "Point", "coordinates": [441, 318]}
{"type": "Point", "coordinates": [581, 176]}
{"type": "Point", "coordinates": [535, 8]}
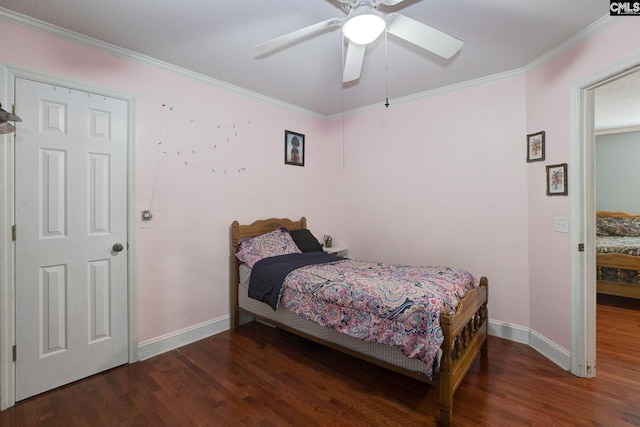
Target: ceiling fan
{"type": "Point", "coordinates": [363, 24]}
{"type": "Point", "coordinates": [5, 118]}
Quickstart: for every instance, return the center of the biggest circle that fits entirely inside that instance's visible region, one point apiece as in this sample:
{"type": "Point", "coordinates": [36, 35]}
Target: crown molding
{"type": "Point", "coordinates": [61, 33]}
{"type": "Point", "coordinates": [617, 130]}
{"type": "Point", "coordinates": [438, 91]}
{"type": "Point", "coordinates": [588, 32]}
{"type": "Point", "coordinates": [576, 39]}
{"type": "Point", "coordinates": [55, 31]}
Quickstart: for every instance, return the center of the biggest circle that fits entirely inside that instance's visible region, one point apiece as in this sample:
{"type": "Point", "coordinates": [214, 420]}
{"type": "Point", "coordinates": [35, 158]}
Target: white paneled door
{"type": "Point", "coordinates": [71, 228]}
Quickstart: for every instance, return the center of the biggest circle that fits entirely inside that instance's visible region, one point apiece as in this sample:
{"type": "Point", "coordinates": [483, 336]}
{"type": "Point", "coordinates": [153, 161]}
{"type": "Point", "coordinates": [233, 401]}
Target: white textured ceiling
{"type": "Point", "coordinates": [617, 104]}
{"type": "Point", "coordinates": [215, 39]}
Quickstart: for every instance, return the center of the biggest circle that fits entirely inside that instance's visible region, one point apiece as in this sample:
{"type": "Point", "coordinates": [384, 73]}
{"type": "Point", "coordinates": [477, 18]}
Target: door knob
{"type": "Point", "coordinates": [118, 247]}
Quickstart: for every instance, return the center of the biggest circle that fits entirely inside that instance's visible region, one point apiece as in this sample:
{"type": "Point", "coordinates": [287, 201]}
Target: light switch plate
{"type": "Point", "coordinates": [562, 224]}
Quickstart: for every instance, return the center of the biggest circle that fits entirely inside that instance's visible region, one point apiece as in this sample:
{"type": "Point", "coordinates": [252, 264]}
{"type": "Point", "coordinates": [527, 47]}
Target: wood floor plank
{"type": "Point", "coordinates": [263, 377]}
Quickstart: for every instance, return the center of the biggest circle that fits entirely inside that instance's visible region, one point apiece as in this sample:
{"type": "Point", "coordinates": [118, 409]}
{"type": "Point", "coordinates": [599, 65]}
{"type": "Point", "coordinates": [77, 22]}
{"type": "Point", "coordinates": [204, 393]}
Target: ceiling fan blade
{"type": "Point", "coordinates": [297, 35]}
{"type": "Point", "coordinates": [423, 36]}
{"type": "Point", "coordinates": [353, 62]}
{"type": "Point", "coordinates": [390, 2]}
{"type": "Point", "coordinates": [6, 116]}
{"type": "Point", "coordinates": [5, 128]}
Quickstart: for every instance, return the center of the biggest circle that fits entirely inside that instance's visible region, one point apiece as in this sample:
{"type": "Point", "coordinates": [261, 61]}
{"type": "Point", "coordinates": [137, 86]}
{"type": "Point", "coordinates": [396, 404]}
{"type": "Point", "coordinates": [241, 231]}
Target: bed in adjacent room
{"type": "Point", "coordinates": [618, 254]}
{"type": "Point", "coordinates": [425, 322]}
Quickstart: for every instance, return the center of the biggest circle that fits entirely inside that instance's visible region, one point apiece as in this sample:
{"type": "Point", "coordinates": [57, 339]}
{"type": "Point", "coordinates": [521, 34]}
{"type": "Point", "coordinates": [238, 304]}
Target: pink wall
{"type": "Point", "coordinates": [183, 259]}
{"type": "Point", "coordinates": [548, 109]}
{"type": "Point", "coordinates": [440, 180]}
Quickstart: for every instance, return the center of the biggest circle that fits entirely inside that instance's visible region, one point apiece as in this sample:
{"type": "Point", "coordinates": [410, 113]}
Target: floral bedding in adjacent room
{"type": "Point", "coordinates": [617, 226]}
{"type": "Point", "coordinates": [397, 305]}
{"type": "Point", "coordinates": [627, 245]}
{"type": "Point", "coordinates": [618, 235]}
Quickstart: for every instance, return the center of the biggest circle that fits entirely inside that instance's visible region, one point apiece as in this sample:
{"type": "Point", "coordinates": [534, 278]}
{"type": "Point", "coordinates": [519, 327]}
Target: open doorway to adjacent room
{"type": "Point", "coordinates": [617, 205]}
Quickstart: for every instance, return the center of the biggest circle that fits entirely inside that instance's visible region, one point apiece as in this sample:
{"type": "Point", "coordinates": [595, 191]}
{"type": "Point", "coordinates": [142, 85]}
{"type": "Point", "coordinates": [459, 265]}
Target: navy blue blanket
{"type": "Point", "coordinates": [268, 274]}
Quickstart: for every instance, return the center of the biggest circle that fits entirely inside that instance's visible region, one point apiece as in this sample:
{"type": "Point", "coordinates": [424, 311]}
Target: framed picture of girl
{"type": "Point", "coordinates": [293, 148]}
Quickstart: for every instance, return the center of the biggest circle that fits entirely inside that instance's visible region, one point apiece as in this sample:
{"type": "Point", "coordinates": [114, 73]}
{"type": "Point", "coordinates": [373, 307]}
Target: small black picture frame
{"type": "Point", "coordinates": [557, 184]}
{"type": "Point", "coordinates": [293, 148]}
{"type": "Point", "coordinates": [535, 147]}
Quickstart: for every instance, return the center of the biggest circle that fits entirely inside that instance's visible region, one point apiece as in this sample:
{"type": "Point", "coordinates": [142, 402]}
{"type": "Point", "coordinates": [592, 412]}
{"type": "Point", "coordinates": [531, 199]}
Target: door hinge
{"type": "Point", "coordinates": [15, 352]}
{"type": "Point", "coordinates": [580, 247]}
{"type": "Point", "coordinates": [14, 233]}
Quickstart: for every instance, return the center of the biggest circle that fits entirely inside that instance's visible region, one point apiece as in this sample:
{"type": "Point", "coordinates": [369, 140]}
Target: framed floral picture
{"type": "Point", "coordinates": [535, 147]}
{"type": "Point", "coordinates": [557, 180]}
{"type": "Point", "coordinates": [293, 148]}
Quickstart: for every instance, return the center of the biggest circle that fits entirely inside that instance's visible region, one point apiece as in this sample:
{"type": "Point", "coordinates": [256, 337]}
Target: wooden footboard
{"type": "Point", "coordinates": [623, 225]}
{"type": "Point", "coordinates": [465, 331]}
{"type": "Point", "coordinates": [619, 262]}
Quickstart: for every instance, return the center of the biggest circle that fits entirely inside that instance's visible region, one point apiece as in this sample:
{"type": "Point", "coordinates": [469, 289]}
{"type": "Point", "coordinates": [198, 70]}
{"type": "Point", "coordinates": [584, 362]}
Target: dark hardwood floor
{"type": "Point", "coordinates": [265, 377]}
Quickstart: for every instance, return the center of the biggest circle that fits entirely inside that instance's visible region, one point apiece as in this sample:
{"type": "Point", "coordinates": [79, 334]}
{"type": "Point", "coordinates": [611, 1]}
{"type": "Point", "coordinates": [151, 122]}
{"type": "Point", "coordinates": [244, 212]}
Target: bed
{"type": "Point", "coordinates": [618, 254]}
{"type": "Point", "coordinates": [463, 332]}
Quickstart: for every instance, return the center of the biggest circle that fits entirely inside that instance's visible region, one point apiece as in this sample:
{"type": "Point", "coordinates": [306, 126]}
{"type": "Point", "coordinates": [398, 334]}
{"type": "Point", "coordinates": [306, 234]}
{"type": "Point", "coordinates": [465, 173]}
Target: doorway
{"type": "Point", "coordinates": [583, 212]}
{"type": "Point", "coordinates": [73, 201]}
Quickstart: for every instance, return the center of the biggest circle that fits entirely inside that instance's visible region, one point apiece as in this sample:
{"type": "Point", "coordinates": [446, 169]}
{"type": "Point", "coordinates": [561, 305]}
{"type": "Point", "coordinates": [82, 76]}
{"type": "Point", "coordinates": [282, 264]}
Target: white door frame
{"type": "Point", "coordinates": [7, 219]}
{"type": "Point", "coordinates": [583, 211]}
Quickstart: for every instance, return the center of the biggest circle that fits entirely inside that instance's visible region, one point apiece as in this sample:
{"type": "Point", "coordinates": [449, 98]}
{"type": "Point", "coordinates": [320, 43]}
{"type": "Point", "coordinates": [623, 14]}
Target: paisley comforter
{"type": "Point", "coordinates": [396, 305]}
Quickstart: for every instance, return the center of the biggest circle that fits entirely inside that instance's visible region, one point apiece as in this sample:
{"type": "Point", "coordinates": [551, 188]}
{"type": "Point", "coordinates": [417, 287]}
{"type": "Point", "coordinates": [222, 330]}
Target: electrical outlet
{"type": "Point", "coordinates": [146, 219]}
{"type": "Point", "coordinates": [562, 224]}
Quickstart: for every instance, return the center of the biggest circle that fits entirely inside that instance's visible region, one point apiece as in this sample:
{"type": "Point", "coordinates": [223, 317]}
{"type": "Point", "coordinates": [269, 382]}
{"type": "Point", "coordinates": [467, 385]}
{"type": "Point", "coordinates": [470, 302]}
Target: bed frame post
{"type": "Point", "coordinates": [233, 278]}
{"type": "Point", "coordinates": [465, 332]}
{"type": "Point", "coordinates": [445, 388]}
{"type": "Point", "coordinates": [484, 350]}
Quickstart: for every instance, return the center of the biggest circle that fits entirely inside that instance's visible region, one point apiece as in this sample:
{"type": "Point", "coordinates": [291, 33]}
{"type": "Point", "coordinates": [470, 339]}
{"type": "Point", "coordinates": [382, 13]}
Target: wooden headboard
{"type": "Point", "coordinates": [608, 214]}
{"type": "Point", "coordinates": [240, 233]}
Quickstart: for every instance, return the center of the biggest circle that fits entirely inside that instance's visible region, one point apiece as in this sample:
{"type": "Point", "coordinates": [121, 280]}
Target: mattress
{"type": "Point", "coordinates": [374, 350]}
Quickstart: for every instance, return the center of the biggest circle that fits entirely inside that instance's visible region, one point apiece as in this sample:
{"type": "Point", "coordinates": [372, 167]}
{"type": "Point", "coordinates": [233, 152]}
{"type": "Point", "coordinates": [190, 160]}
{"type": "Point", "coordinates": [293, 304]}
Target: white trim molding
{"type": "Point", "coordinates": [182, 337]}
{"type": "Point", "coordinates": [520, 334]}
{"type": "Point", "coordinates": [576, 39]}
{"type": "Point", "coordinates": [582, 223]}
{"type": "Point", "coordinates": [550, 350]}
{"type": "Point", "coordinates": [539, 343]}
{"type": "Point", "coordinates": [55, 31]}
{"type": "Point", "coordinates": [617, 130]}
{"type": "Point", "coordinates": [7, 298]}
{"type": "Point", "coordinates": [62, 33]}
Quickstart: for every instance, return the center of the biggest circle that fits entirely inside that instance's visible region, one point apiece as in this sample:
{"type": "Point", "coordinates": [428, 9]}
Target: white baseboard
{"type": "Point", "coordinates": [539, 343]}
{"type": "Point", "coordinates": [542, 345]}
{"type": "Point", "coordinates": [185, 336]}
{"type": "Point", "coordinates": [550, 350]}
{"type": "Point", "coordinates": [508, 331]}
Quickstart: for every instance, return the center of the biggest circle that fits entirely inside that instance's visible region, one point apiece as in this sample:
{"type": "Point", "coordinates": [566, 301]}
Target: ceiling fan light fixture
{"type": "Point", "coordinates": [364, 29]}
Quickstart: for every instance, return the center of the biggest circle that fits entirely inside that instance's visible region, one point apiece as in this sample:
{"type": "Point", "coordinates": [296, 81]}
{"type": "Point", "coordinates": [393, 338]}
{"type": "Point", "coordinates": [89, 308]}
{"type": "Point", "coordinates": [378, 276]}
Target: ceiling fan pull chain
{"type": "Point", "coordinates": [386, 72]}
